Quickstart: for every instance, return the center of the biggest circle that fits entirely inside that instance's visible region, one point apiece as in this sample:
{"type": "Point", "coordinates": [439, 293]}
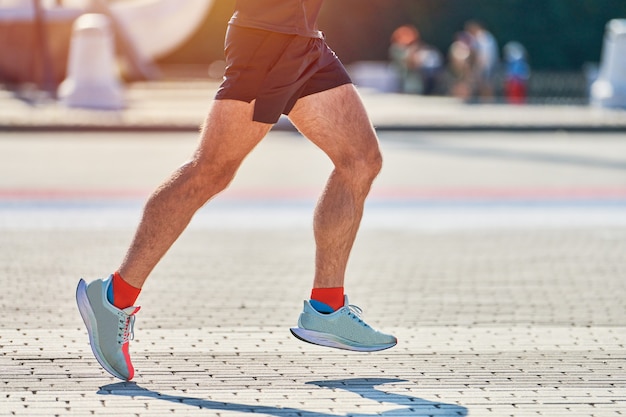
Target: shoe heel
{"type": "Point", "coordinates": [83, 304]}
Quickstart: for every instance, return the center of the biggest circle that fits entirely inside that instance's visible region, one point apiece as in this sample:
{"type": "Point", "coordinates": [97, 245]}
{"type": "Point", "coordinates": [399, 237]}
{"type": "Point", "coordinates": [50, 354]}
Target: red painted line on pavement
{"type": "Point", "coordinates": [390, 193]}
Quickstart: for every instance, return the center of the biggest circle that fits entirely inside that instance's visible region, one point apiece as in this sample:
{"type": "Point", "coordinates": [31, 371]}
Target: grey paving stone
{"type": "Point", "coordinates": [497, 321]}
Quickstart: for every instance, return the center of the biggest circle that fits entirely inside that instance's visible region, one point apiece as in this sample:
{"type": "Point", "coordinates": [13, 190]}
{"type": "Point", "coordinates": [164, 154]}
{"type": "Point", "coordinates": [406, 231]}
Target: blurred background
{"type": "Point", "coordinates": [563, 38]}
{"type": "Point", "coordinates": [541, 50]}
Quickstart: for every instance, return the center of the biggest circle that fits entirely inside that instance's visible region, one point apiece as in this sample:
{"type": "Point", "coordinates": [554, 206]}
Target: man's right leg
{"type": "Point", "coordinates": [337, 122]}
{"type": "Point", "coordinates": [228, 136]}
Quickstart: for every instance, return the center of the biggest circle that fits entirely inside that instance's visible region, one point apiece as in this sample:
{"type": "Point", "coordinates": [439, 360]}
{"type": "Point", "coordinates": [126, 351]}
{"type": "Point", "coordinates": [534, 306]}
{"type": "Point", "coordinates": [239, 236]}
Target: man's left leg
{"type": "Point", "coordinates": [336, 121]}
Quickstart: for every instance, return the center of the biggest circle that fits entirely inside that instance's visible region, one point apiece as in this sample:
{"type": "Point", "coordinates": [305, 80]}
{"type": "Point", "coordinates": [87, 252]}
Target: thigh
{"type": "Point", "coordinates": [337, 122]}
{"type": "Point", "coordinates": [229, 134]}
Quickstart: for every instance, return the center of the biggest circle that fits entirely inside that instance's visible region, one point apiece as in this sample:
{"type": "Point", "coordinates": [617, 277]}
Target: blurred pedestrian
{"type": "Point", "coordinates": [485, 61]}
{"type": "Point", "coordinates": [517, 72]}
{"type": "Point", "coordinates": [460, 61]}
{"type": "Point", "coordinates": [417, 63]}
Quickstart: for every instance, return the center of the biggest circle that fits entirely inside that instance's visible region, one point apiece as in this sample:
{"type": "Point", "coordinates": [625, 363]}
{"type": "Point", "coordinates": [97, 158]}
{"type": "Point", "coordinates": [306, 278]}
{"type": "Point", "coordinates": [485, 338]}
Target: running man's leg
{"type": "Point", "coordinates": [336, 121]}
{"type": "Point", "coordinates": [227, 137]}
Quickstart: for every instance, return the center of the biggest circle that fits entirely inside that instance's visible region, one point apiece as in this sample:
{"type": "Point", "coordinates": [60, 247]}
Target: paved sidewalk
{"type": "Point", "coordinates": [179, 105]}
{"type": "Point", "coordinates": [527, 323]}
{"type": "Point", "coordinates": [497, 259]}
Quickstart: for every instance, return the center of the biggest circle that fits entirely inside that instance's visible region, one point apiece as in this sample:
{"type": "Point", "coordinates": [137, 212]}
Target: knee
{"type": "Point", "coordinates": [203, 179]}
{"type": "Point", "coordinates": [371, 163]}
{"type": "Point", "coordinates": [363, 168]}
{"type": "Point", "coordinates": [374, 163]}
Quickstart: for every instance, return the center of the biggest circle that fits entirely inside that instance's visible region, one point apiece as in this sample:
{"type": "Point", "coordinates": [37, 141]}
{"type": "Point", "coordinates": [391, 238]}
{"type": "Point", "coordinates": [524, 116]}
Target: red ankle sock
{"type": "Point", "coordinates": [332, 297]}
{"type": "Point", "coordinates": [124, 294]}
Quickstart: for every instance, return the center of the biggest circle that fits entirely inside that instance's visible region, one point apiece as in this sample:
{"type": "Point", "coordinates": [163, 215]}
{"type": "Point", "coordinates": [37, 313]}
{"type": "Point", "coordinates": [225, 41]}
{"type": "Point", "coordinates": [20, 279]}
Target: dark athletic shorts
{"type": "Point", "coordinates": [277, 69]}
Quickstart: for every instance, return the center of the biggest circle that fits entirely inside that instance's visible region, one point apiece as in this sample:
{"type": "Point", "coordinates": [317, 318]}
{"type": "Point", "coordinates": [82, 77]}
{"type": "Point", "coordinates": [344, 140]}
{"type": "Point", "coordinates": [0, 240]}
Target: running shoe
{"type": "Point", "coordinates": [109, 328]}
{"type": "Point", "coordinates": [342, 329]}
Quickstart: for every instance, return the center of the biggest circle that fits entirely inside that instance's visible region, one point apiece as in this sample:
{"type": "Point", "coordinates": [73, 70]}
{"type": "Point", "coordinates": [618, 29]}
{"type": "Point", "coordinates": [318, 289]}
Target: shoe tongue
{"type": "Point", "coordinates": [110, 294]}
{"type": "Point", "coordinates": [321, 307]}
{"type": "Point", "coordinates": [131, 310]}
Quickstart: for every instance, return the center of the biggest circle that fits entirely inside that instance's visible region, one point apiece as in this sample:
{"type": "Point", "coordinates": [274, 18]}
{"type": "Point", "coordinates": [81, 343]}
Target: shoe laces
{"type": "Point", "coordinates": [126, 326]}
{"type": "Point", "coordinates": [357, 313]}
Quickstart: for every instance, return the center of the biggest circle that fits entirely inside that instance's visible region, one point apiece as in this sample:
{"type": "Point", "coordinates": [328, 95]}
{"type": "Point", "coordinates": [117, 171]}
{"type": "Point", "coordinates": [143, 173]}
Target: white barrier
{"type": "Point", "coordinates": [92, 76]}
{"type": "Point", "coordinates": [376, 75]}
{"type": "Point", "coordinates": [609, 90]}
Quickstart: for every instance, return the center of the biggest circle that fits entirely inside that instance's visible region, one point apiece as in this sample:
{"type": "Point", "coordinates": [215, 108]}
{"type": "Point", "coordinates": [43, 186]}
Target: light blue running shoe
{"type": "Point", "coordinates": [342, 329]}
{"type": "Point", "coordinates": [109, 328]}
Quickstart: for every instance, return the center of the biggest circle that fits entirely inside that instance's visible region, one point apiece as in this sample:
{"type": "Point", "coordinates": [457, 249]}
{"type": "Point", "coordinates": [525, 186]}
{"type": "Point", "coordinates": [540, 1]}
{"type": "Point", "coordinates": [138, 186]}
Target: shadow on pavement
{"type": "Point", "coordinates": [410, 406]}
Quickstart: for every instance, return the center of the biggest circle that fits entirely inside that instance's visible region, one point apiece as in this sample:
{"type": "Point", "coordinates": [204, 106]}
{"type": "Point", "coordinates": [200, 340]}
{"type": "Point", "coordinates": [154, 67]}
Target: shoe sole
{"type": "Point", "coordinates": [334, 341]}
{"type": "Point", "coordinates": [86, 312]}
